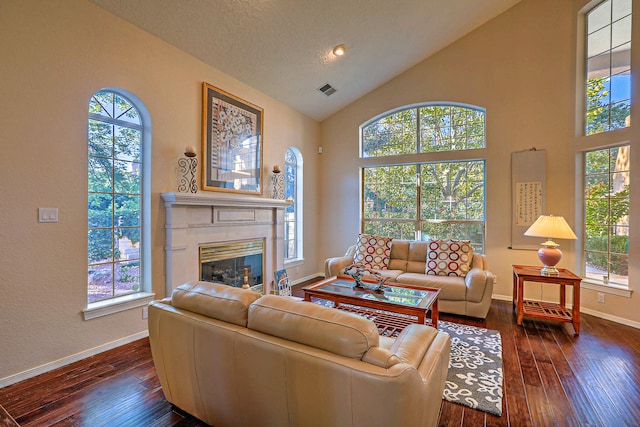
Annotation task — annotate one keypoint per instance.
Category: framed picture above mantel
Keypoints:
(232, 130)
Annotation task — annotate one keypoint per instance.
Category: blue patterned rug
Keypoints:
(475, 367)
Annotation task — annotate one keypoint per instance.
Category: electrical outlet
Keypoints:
(47, 214)
(600, 297)
(145, 312)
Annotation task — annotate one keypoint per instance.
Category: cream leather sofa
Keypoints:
(232, 357)
(469, 295)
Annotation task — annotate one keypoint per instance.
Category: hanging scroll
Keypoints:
(528, 179)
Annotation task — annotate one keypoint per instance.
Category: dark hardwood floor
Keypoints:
(551, 378)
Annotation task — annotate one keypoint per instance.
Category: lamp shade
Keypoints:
(551, 227)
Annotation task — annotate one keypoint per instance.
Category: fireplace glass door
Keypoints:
(237, 264)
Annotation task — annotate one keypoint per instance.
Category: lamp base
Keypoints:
(549, 270)
(549, 255)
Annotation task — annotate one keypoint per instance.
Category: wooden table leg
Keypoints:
(575, 311)
(515, 289)
(520, 300)
(563, 296)
(434, 314)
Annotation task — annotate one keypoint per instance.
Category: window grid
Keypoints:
(425, 200)
(114, 197)
(291, 214)
(606, 213)
(608, 67)
(424, 129)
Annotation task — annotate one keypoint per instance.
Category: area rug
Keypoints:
(475, 367)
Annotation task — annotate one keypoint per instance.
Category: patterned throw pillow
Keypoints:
(449, 257)
(373, 251)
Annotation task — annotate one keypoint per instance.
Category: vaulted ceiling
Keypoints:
(284, 47)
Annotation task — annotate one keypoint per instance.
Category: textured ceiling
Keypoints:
(283, 47)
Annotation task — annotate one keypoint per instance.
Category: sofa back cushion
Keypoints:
(373, 251)
(325, 328)
(449, 257)
(417, 261)
(214, 300)
(399, 255)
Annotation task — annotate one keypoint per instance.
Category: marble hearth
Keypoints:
(195, 220)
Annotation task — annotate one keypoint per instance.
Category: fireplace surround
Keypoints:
(204, 219)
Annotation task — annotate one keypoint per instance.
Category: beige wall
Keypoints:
(55, 55)
(521, 67)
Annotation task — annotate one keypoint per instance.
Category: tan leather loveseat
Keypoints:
(232, 357)
(469, 295)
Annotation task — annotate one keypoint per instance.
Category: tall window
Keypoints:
(115, 197)
(606, 189)
(292, 214)
(608, 66)
(425, 200)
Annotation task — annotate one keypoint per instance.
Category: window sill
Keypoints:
(116, 305)
(593, 285)
(293, 262)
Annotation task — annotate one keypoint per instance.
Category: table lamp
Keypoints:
(551, 227)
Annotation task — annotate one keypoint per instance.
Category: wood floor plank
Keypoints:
(559, 404)
(550, 377)
(579, 401)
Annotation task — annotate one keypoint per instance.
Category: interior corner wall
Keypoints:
(55, 55)
(521, 67)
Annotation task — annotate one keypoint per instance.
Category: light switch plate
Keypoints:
(47, 214)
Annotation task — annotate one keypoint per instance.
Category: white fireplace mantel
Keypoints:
(222, 199)
(198, 219)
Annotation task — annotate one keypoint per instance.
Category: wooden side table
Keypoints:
(545, 310)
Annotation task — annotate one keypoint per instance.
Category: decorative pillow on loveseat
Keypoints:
(449, 257)
(373, 251)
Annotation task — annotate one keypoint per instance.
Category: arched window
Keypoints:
(293, 212)
(118, 196)
(425, 198)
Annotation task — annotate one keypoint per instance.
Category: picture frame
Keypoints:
(232, 130)
(281, 283)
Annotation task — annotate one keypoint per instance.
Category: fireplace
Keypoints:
(236, 263)
(206, 219)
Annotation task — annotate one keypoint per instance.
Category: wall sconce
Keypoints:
(277, 181)
(187, 166)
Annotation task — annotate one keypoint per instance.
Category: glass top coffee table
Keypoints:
(392, 310)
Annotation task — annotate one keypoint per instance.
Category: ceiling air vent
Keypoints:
(327, 89)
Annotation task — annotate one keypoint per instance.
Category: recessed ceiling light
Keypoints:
(339, 50)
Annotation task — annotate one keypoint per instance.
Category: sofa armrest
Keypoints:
(477, 281)
(382, 357)
(413, 343)
(334, 266)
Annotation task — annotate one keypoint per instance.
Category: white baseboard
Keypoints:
(589, 311)
(304, 279)
(30, 373)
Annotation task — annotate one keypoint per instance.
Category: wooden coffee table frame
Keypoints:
(377, 310)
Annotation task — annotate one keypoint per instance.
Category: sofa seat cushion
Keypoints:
(324, 328)
(214, 300)
(451, 287)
